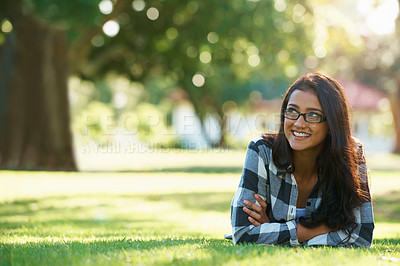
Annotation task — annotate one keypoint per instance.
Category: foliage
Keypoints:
(227, 43)
(232, 47)
(95, 122)
(145, 123)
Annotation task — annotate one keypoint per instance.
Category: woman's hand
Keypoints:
(259, 215)
(304, 233)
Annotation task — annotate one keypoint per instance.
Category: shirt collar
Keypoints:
(278, 172)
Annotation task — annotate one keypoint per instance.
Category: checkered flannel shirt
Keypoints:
(279, 189)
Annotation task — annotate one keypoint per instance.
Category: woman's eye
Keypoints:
(291, 111)
(313, 114)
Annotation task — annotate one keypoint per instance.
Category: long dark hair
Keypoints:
(337, 162)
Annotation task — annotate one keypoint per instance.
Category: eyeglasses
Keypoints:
(310, 117)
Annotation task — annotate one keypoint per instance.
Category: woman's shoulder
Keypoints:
(265, 141)
(358, 146)
(357, 141)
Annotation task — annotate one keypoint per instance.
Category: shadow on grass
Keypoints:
(159, 251)
(191, 169)
(197, 201)
(387, 241)
(201, 201)
(101, 216)
(127, 250)
(387, 208)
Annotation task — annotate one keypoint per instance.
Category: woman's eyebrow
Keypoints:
(308, 109)
(314, 109)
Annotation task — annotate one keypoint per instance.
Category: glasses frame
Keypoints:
(304, 115)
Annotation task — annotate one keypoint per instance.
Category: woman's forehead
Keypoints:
(307, 99)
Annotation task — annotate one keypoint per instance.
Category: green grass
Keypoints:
(159, 218)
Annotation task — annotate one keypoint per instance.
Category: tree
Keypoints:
(383, 71)
(215, 50)
(36, 60)
(371, 57)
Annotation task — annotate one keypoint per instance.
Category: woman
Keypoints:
(307, 184)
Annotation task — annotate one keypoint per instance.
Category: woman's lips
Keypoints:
(300, 135)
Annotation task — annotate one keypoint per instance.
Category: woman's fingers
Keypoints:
(253, 206)
(257, 213)
(254, 222)
(251, 213)
(260, 201)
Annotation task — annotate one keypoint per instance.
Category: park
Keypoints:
(124, 123)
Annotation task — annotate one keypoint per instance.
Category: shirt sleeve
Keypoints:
(363, 233)
(253, 180)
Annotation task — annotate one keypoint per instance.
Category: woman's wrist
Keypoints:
(304, 233)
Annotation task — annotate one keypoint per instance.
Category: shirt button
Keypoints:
(308, 203)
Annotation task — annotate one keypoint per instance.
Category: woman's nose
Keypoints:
(300, 122)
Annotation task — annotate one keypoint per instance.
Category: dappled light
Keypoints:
(380, 19)
(106, 6)
(152, 13)
(97, 41)
(124, 123)
(213, 37)
(111, 28)
(138, 5)
(205, 57)
(6, 26)
(198, 80)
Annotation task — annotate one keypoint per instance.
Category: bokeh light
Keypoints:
(380, 18)
(283, 55)
(291, 71)
(213, 37)
(252, 50)
(178, 18)
(191, 51)
(320, 51)
(97, 41)
(138, 5)
(255, 95)
(6, 26)
(229, 107)
(298, 13)
(205, 57)
(198, 80)
(280, 5)
(311, 62)
(106, 7)
(172, 33)
(152, 13)
(288, 26)
(237, 58)
(253, 60)
(120, 99)
(111, 28)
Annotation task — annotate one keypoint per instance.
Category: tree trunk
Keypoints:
(222, 124)
(34, 122)
(395, 105)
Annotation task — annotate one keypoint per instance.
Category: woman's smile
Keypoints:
(300, 135)
(303, 135)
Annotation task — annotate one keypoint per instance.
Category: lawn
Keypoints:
(166, 216)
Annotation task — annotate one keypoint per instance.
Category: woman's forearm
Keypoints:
(304, 233)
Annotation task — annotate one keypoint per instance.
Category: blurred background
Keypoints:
(128, 120)
(128, 85)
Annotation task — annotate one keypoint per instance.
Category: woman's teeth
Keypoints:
(298, 134)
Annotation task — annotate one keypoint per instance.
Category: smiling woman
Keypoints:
(307, 184)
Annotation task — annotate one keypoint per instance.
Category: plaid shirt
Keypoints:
(279, 189)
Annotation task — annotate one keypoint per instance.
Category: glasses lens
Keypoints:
(291, 114)
(313, 117)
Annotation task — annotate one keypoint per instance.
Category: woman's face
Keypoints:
(302, 135)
